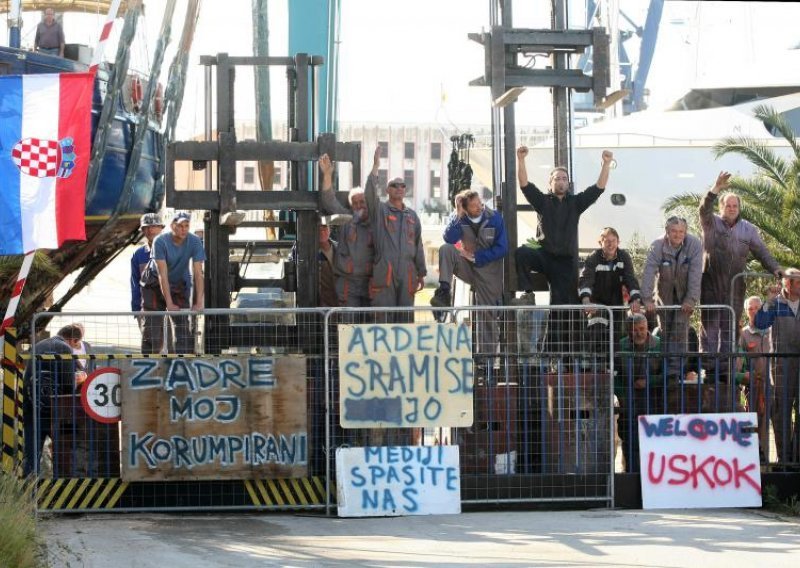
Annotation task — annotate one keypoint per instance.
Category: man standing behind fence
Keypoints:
(758, 342)
(728, 241)
(355, 250)
(146, 296)
(54, 376)
(175, 252)
(479, 261)
(637, 384)
(399, 270)
(781, 312)
(676, 261)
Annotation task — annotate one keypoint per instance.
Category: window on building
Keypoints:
(384, 146)
(276, 179)
(408, 177)
(249, 175)
(408, 151)
(436, 184)
(436, 150)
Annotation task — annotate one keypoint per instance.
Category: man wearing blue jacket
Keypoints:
(478, 262)
(781, 312)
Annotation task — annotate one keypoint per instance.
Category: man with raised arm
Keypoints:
(728, 241)
(355, 250)
(558, 212)
(399, 269)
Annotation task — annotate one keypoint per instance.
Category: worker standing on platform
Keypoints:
(399, 269)
(175, 252)
(355, 251)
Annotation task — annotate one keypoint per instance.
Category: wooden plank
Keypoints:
(214, 418)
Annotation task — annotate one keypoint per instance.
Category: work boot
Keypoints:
(441, 298)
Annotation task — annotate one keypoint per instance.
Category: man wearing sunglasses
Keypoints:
(399, 266)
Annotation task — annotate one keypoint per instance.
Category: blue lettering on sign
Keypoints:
(252, 449)
(196, 375)
(392, 477)
(222, 408)
(739, 431)
(367, 339)
(142, 379)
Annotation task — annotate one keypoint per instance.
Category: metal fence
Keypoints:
(553, 391)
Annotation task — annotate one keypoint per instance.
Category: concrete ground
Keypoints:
(702, 538)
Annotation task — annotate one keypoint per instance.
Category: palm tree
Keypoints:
(770, 198)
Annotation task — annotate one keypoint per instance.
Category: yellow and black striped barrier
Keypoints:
(282, 493)
(71, 494)
(12, 429)
(75, 494)
(112, 356)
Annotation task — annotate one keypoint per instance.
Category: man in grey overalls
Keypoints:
(676, 259)
(728, 241)
(399, 268)
(355, 250)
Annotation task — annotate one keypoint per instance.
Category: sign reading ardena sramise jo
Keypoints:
(399, 375)
(214, 417)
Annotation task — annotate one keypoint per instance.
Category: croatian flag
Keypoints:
(45, 148)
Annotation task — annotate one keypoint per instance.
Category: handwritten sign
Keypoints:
(214, 418)
(399, 375)
(699, 460)
(398, 480)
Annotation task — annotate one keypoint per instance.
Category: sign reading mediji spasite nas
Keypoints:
(397, 480)
(401, 375)
(699, 460)
(215, 417)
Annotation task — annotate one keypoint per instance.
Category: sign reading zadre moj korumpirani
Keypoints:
(402, 375)
(214, 417)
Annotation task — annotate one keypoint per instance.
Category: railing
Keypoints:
(552, 389)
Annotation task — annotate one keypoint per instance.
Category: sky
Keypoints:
(409, 61)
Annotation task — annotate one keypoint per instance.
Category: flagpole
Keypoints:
(22, 277)
(104, 33)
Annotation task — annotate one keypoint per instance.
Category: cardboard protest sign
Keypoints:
(398, 480)
(405, 375)
(699, 460)
(214, 418)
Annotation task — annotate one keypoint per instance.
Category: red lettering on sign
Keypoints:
(679, 469)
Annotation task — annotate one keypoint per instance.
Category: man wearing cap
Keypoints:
(399, 268)
(175, 252)
(147, 298)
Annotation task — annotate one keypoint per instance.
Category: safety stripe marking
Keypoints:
(65, 493)
(81, 489)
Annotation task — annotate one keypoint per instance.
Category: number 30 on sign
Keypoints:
(100, 395)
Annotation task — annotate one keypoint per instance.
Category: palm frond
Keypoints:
(760, 155)
(772, 118)
(685, 200)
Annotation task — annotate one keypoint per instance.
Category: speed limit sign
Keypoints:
(100, 395)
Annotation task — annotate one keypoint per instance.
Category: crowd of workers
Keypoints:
(378, 261)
